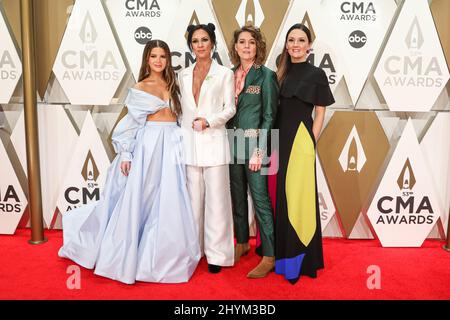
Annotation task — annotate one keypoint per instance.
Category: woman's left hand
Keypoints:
(255, 163)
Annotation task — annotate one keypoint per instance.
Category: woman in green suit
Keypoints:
(256, 94)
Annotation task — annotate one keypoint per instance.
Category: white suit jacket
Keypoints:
(209, 147)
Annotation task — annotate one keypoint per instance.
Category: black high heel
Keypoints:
(212, 268)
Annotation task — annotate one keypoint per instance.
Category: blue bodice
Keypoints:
(139, 104)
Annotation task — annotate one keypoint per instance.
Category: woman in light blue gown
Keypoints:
(142, 228)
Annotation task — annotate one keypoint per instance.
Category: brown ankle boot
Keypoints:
(266, 265)
(241, 249)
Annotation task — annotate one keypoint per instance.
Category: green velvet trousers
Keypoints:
(240, 177)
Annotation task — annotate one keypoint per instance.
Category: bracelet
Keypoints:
(251, 133)
(258, 152)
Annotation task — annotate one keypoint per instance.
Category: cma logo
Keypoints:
(7, 66)
(357, 39)
(413, 69)
(10, 195)
(90, 174)
(406, 180)
(72, 59)
(419, 209)
(142, 35)
(414, 38)
(325, 63)
(88, 33)
(187, 59)
(142, 5)
(352, 157)
(96, 62)
(90, 171)
(323, 206)
(143, 8)
(90, 63)
(250, 13)
(358, 10)
(82, 65)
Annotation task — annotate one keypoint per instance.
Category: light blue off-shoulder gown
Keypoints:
(142, 228)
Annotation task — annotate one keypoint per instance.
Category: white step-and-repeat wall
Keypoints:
(383, 162)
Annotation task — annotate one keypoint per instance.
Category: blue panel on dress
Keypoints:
(289, 267)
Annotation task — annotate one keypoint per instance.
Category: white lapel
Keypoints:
(204, 92)
(187, 84)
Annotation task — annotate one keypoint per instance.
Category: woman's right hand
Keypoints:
(199, 124)
(125, 167)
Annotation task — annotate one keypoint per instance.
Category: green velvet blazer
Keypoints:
(255, 109)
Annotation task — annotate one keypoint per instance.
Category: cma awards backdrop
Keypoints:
(383, 161)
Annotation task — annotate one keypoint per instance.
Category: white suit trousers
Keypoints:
(209, 189)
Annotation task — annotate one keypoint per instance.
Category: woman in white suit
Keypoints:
(207, 101)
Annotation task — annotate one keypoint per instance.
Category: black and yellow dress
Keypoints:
(298, 249)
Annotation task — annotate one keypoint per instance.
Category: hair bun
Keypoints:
(211, 26)
(190, 27)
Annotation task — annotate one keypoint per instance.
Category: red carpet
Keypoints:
(36, 272)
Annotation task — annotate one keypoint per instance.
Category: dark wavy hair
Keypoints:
(260, 44)
(168, 73)
(285, 61)
(209, 28)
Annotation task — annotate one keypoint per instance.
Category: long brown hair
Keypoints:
(260, 45)
(285, 62)
(168, 73)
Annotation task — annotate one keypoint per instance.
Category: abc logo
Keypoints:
(357, 39)
(142, 35)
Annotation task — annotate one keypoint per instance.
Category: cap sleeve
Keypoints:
(313, 89)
